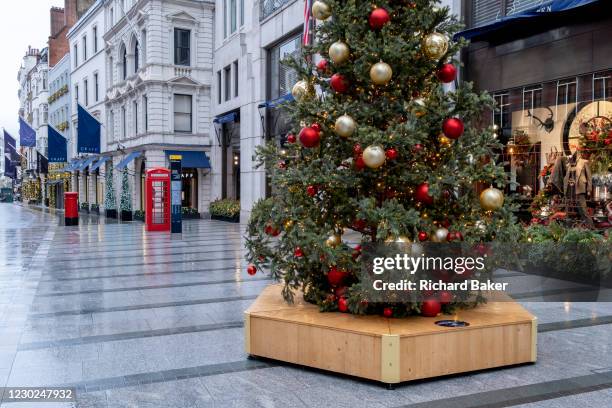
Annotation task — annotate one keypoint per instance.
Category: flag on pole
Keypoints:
(307, 22)
(27, 135)
(11, 157)
(88, 133)
(57, 147)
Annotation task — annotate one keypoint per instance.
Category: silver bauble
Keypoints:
(381, 73)
(440, 235)
(345, 126)
(374, 156)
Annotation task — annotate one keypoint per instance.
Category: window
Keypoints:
(182, 113)
(76, 55)
(111, 125)
(111, 16)
(136, 57)
(233, 15)
(145, 106)
(566, 94)
(486, 11)
(143, 46)
(602, 86)
(501, 113)
(45, 110)
(532, 99)
(84, 48)
(219, 91)
(227, 79)
(123, 122)
(182, 47)
(241, 13)
(124, 63)
(236, 73)
(135, 116)
(95, 39)
(86, 88)
(96, 87)
(111, 71)
(225, 18)
(76, 93)
(282, 77)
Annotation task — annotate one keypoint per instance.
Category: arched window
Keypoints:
(124, 62)
(136, 56)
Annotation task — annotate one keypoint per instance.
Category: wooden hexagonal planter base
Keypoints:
(389, 350)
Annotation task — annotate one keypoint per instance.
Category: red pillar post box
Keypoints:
(157, 200)
(71, 208)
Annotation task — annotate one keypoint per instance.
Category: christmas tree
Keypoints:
(110, 199)
(126, 197)
(384, 152)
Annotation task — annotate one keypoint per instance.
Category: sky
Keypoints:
(22, 23)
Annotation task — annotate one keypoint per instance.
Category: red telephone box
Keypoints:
(157, 200)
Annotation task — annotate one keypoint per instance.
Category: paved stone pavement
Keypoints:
(135, 319)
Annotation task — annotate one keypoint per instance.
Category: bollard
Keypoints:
(71, 206)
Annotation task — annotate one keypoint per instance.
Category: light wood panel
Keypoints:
(389, 350)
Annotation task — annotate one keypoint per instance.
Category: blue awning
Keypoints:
(85, 163)
(191, 159)
(99, 163)
(127, 159)
(228, 118)
(547, 8)
(71, 166)
(275, 102)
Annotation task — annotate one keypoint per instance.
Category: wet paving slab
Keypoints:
(133, 319)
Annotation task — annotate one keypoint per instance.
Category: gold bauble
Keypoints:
(345, 126)
(435, 45)
(288, 224)
(381, 73)
(402, 239)
(374, 156)
(333, 240)
(440, 235)
(444, 141)
(321, 10)
(491, 199)
(338, 52)
(301, 90)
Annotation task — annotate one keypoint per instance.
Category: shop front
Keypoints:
(195, 167)
(553, 114)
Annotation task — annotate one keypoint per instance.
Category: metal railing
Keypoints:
(268, 7)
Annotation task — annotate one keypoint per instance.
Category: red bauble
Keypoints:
(309, 137)
(453, 128)
(359, 224)
(311, 191)
(388, 312)
(445, 297)
(342, 305)
(359, 163)
(322, 65)
(298, 252)
(445, 223)
(291, 138)
(458, 236)
(421, 194)
(608, 142)
(447, 73)
(282, 164)
(251, 270)
(451, 236)
(430, 307)
(417, 147)
(340, 291)
(357, 149)
(356, 251)
(391, 154)
(378, 18)
(423, 236)
(335, 276)
(316, 127)
(339, 83)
